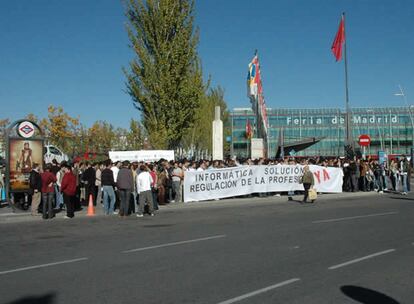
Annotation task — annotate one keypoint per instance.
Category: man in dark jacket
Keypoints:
(89, 179)
(125, 184)
(35, 181)
(108, 184)
(68, 188)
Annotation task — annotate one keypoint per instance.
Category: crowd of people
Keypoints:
(125, 188)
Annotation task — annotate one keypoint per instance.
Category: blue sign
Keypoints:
(382, 157)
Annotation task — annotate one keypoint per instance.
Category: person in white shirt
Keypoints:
(115, 169)
(144, 181)
(202, 167)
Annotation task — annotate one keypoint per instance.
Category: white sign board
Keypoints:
(141, 155)
(228, 182)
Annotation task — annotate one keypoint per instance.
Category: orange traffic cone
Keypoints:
(91, 209)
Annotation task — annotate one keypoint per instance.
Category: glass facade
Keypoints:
(390, 129)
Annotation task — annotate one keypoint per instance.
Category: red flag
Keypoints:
(248, 129)
(339, 40)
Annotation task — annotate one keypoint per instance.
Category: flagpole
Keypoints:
(258, 125)
(348, 131)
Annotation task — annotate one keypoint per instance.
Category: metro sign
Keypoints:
(26, 129)
(364, 140)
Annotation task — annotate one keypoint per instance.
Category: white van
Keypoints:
(52, 152)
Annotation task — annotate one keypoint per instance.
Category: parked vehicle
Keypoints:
(52, 152)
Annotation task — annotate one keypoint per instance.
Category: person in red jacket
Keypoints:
(48, 192)
(68, 188)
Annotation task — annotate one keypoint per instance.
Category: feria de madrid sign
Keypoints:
(335, 120)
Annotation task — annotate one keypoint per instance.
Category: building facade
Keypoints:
(390, 129)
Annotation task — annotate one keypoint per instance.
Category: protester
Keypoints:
(291, 193)
(108, 184)
(134, 195)
(308, 181)
(58, 193)
(144, 181)
(48, 192)
(161, 185)
(98, 183)
(177, 176)
(115, 169)
(154, 189)
(68, 188)
(35, 182)
(89, 178)
(125, 184)
(404, 172)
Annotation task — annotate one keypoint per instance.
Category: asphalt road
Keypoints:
(346, 249)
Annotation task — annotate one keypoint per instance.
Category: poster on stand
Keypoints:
(22, 155)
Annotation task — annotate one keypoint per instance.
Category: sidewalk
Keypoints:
(8, 216)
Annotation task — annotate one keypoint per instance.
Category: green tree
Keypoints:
(200, 137)
(4, 124)
(135, 137)
(165, 79)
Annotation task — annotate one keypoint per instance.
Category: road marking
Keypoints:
(175, 243)
(259, 291)
(42, 265)
(361, 259)
(354, 217)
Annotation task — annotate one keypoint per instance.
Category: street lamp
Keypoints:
(401, 93)
(379, 132)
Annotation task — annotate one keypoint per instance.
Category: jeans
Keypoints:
(124, 197)
(135, 200)
(385, 181)
(404, 183)
(48, 204)
(59, 197)
(108, 199)
(354, 183)
(177, 190)
(145, 197)
(98, 194)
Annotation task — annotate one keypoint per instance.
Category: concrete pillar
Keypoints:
(217, 136)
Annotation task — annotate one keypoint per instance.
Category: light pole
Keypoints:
(401, 93)
(376, 123)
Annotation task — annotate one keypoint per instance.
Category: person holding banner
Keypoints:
(308, 181)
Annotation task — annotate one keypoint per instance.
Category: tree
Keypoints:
(60, 128)
(100, 137)
(135, 137)
(200, 137)
(165, 79)
(4, 123)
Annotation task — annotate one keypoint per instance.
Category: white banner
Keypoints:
(235, 181)
(141, 155)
